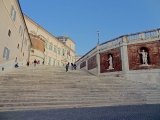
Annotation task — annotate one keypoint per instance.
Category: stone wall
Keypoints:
(83, 64)
(104, 64)
(92, 63)
(135, 59)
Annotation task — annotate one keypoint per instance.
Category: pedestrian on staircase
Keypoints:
(67, 65)
(72, 66)
(35, 62)
(27, 63)
(75, 66)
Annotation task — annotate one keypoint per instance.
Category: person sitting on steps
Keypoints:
(16, 65)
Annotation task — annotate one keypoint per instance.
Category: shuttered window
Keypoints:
(21, 30)
(25, 42)
(13, 14)
(45, 44)
(6, 53)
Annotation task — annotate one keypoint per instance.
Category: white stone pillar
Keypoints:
(86, 64)
(158, 33)
(98, 60)
(141, 35)
(124, 55)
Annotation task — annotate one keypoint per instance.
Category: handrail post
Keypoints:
(98, 60)
(124, 55)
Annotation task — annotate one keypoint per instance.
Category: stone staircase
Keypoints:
(48, 87)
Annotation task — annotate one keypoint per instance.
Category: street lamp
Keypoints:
(98, 37)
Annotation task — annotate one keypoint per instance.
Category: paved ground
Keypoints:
(133, 112)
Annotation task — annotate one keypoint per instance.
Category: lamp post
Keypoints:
(98, 37)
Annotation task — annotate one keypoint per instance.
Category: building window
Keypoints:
(63, 52)
(25, 42)
(13, 14)
(9, 33)
(45, 44)
(59, 52)
(23, 54)
(6, 53)
(21, 30)
(50, 47)
(49, 62)
(18, 46)
(55, 50)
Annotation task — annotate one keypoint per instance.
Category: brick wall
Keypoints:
(83, 64)
(135, 59)
(92, 62)
(104, 64)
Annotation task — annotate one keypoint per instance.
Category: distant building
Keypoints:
(77, 57)
(56, 51)
(14, 38)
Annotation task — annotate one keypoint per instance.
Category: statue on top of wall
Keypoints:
(110, 62)
(144, 57)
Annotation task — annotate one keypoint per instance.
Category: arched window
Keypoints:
(18, 46)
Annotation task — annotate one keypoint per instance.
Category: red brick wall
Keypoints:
(92, 62)
(104, 64)
(134, 57)
(83, 64)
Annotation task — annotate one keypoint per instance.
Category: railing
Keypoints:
(129, 37)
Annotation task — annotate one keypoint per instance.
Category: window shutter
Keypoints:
(4, 52)
(14, 17)
(12, 12)
(8, 51)
(20, 29)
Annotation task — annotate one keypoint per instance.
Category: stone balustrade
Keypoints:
(155, 33)
(123, 56)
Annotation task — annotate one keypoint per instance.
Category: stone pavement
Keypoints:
(132, 112)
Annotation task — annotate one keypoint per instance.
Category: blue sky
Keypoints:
(80, 19)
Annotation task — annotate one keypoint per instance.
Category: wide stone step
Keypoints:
(69, 104)
(43, 107)
(48, 87)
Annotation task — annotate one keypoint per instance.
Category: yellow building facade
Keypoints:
(14, 38)
(56, 51)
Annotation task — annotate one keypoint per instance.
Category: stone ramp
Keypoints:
(46, 87)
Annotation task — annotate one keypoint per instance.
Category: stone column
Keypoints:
(98, 60)
(124, 55)
(86, 64)
(158, 33)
